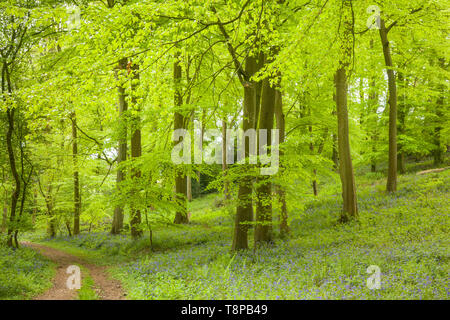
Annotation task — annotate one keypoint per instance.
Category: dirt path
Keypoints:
(105, 287)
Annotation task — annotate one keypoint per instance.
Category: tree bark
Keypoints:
(437, 152)
(5, 212)
(311, 148)
(391, 185)
(136, 150)
(76, 180)
(401, 127)
(260, 65)
(279, 189)
(334, 153)
(12, 162)
(244, 209)
(35, 206)
(350, 208)
(373, 107)
(179, 123)
(334, 142)
(52, 222)
(117, 224)
(263, 225)
(189, 188)
(226, 193)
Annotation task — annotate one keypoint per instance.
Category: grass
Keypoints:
(23, 273)
(87, 292)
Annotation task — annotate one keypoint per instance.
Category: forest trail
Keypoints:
(105, 287)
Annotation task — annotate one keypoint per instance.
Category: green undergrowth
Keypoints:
(87, 292)
(24, 273)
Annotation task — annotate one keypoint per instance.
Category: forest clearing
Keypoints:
(247, 150)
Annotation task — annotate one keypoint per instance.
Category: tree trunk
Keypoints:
(5, 213)
(437, 152)
(260, 65)
(117, 224)
(334, 153)
(52, 222)
(226, 193)
(12, 163)
(373, 107)
(350, 208)
(136, 151)
(391, 185)
(244, 209)
(35, 206)
(311, 148)
(68, 228)
(263, 225)
(179, 123)
(189, 188)
(280, 191)
(76, 181)
(334, 142)
(401, 124)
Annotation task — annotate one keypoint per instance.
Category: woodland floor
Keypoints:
(104, 287)
(405, 234)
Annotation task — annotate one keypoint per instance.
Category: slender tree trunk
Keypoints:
(401, 114)
(188, 177)
(334, 143)
(5, 212)
(68, 228)
(244, 210)
(76, 180)
(226, 193)
(373, 107)
(263, 225)
(189, 188)
(350, 208)
(117, 224)
(136, 151)
(391, 185)
(35, 206)
(179, 123)
(24, 189)
(279, 189)
(52, 222)
(311, 148)
(191, 119)
(334, 153)
(314, 179)
(260, 65)
(12, 163)
(437, 152)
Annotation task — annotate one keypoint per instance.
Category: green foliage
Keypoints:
(87, 291)
(23, 273)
